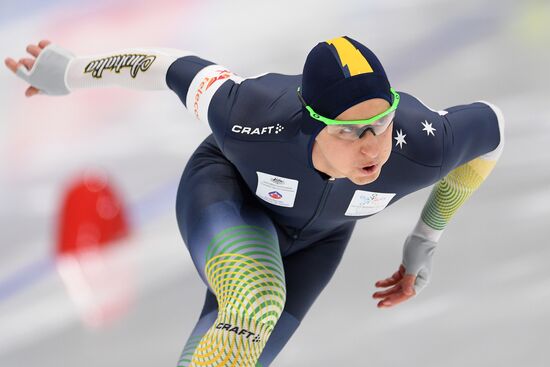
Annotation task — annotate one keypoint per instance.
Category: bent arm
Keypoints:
(470, 130)
(451, 192)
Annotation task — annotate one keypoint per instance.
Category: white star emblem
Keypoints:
(400, 139)
(428, 128)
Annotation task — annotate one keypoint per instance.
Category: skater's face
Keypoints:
(360, 160)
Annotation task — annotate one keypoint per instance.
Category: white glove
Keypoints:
(417, 259)
(49, 71)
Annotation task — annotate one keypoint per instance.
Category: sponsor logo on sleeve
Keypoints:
(206, 83)
(135, 62)
(203, 87)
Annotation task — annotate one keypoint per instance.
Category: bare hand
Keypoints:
(28, 63)
(402, 288)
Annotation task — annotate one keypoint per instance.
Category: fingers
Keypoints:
(31, 91)
(34, 50)
(31, 49)
(387, 292)
(408, 284)
(394, 299)
(11, 64)
(402, 269)
(393, 280)
(400, 292)
(27, 62)
(43, 43)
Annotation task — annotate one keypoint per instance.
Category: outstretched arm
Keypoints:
(447, 196)
(206, 89)
(56, 71)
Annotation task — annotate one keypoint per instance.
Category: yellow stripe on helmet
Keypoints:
(350, 56)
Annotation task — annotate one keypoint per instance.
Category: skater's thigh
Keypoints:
(218, 216)
(309, 270)
(307, 273)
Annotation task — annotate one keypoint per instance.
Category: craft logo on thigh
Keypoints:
(135, 62)
(238, 331)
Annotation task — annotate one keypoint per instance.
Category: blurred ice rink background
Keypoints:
(489, 300)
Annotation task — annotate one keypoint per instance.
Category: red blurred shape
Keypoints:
(93, 254)
(92, 215)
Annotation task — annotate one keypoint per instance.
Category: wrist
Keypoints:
(417, 259)
(426, 232)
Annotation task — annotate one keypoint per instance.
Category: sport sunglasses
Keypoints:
(355, 129)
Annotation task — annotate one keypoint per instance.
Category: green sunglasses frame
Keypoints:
(327, 121)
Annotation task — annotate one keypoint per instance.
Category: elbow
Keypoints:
(495, 153)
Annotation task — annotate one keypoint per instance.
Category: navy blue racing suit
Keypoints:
(256, 169)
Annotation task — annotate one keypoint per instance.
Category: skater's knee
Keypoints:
(251, 299)
(248, 286)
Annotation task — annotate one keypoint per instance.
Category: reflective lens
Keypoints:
(354, 132)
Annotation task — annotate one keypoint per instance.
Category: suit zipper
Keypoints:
(319, 208)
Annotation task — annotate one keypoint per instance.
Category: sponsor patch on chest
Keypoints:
(276, 190)
(368, 203)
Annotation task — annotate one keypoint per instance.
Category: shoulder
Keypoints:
(419, 132)
(265, 108)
